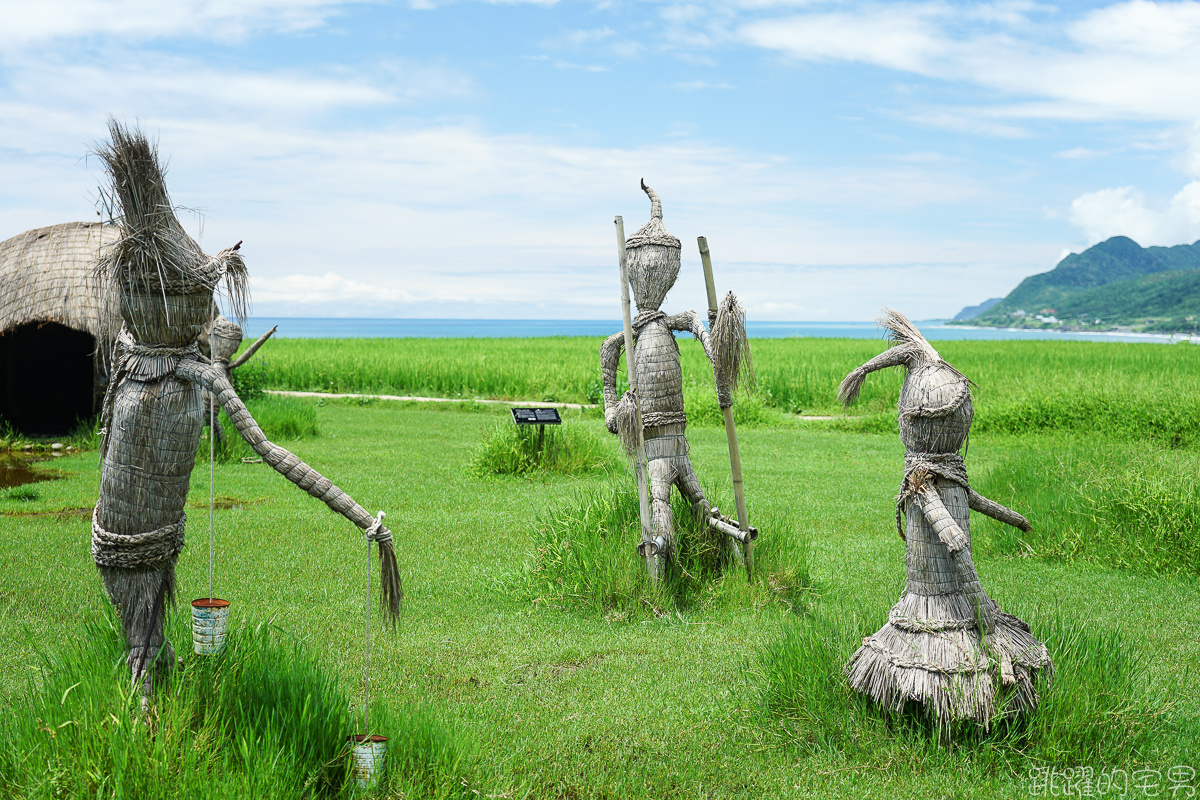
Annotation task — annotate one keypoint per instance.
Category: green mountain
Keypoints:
(1158, 301)
(1114, 283)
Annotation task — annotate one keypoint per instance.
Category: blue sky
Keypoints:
(465, 159)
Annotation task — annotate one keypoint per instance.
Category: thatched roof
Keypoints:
(48, 275)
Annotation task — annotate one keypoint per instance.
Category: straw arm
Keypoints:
(610, 359)
(691, 322)
(935, 511)
(852, 383)
(977, 502)
(212, 377)
(957, 541)
(252, 349)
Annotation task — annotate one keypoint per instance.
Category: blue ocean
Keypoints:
(354, 328)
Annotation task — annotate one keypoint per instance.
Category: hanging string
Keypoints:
(367, 671)
(212, 436)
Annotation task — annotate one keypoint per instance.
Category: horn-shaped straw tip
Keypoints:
(655, 203)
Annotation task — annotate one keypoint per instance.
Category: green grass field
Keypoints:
(723, 690)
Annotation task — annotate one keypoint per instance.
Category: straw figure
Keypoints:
(653, 262)
(218, 343)
(946, 645)
(163, 286)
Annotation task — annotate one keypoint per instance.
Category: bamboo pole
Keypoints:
(648, 547)
(735, 459)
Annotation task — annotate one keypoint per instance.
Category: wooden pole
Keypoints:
(735, 459)
(648, 547)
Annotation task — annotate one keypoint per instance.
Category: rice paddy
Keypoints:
(532, 660)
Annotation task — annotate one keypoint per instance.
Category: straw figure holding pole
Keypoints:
(163, 284)
(652, 259)
(946, 645)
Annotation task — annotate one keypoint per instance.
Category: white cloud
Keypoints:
(1125, 211)
(899, 37)
(1076, 153)
(27, 23)
(180, 87)
(1135, 59)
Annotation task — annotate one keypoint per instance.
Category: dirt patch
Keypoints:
(62, 513)
(226, 503)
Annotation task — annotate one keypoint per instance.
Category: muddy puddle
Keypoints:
(18, 470)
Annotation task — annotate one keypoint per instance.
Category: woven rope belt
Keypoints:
(655, 419)
(136, 549)
(644, 318)
(918, 466)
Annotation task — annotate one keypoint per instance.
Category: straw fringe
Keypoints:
(627, 431)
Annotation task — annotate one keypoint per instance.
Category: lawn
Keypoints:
(562, 699)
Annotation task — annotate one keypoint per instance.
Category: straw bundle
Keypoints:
(155, 267)
(946, 646)
(731, 350)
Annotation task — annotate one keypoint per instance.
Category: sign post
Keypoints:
(537, 416)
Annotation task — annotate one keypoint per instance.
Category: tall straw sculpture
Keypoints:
(652, 258)
(164, 284)
(946, 645)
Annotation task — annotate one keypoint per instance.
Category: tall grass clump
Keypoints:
(261, 719)
(568, 449)
(281, 419)
(585, 554)
(1127, 507)
(1096, 709)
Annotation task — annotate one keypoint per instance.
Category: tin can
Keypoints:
(210, 620)
(367, 753)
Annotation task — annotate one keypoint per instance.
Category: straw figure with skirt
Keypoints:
(651, 262)
(946, 645)
(153, 409)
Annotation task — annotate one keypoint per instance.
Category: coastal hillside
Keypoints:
(1114, 284)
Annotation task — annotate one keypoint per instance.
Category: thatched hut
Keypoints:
(52, 371)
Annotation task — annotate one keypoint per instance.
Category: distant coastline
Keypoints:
(370, 328)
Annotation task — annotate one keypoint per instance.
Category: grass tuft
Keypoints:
(261, 719)
(1098, 708)
(585, 554)
(1130, 508)
(568, 449)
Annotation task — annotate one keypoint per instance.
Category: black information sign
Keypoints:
(536, 416)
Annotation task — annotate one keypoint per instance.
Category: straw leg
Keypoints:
(662, 518)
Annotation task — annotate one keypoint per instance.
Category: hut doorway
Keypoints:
(47, 378)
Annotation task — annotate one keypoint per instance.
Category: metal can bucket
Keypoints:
(210, 619)
(367, 753)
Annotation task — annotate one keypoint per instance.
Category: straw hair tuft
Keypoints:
(154, 256)
(910, 349)
(904, 333)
